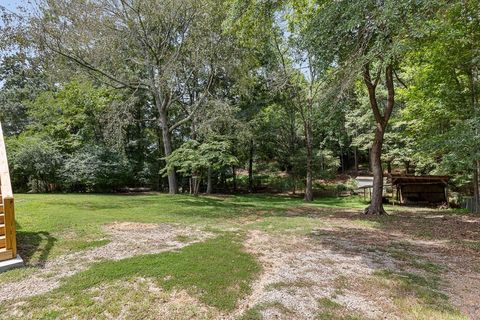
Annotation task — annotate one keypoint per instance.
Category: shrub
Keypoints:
(95, 168)
(34, 161)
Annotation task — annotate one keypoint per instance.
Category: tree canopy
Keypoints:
(240, 95)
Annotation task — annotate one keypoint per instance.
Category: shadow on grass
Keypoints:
(400, 268)
(35, 247)
(430, 225)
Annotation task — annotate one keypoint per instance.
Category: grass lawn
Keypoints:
(61, 223)
(238, 257)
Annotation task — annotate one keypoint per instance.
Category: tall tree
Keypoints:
(366, 39)
(289, 66)
(154, 46)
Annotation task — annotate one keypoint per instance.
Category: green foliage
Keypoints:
(21, 80)
(35, 161)
(71, 116)
(441, 108)
(95, 168)
(194, 157)
(273, 82)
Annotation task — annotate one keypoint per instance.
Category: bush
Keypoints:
(95, 168)
(35, 162)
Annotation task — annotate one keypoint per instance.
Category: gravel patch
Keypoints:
(127, 239)
(298, 272)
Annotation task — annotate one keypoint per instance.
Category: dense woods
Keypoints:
(239, 95)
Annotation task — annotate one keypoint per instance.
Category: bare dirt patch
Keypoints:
(127, 239)
(340, 262)
(298, 273)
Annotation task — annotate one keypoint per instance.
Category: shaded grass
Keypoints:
(402, 251)
(470, 244)
(417, 296)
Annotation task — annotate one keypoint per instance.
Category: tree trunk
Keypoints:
(250, 169)
(161, 103)
(309, 178)
(389, 166)
(476, 187)
(196, 184)
(476, 111)
(376, 204)
(234, 178)
(209, 180)
(355, 157)
(370, 159)
(167, 147)
(167, 142)
(342, 160)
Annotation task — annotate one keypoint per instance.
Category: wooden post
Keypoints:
(446, 196)
(10, 228)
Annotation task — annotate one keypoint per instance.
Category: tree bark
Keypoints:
(209, 180)
(342, 159)
(376, 204)
(309, 178)
(167, 147)
(234, 178)
(250, 169)
(476, 167)
(407, 167)
(162, 106)
(476, 187)
(196, 183)
(355, 156)
(370, 159)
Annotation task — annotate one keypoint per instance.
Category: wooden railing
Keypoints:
(8, 241)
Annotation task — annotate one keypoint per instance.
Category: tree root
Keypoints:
(375, 211)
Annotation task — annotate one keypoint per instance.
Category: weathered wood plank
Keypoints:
(6, 254)
(10, 225)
